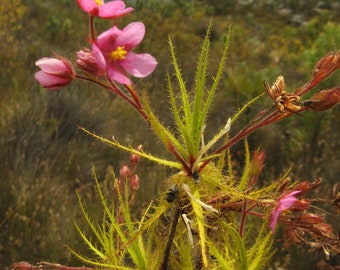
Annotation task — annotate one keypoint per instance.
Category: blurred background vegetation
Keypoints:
(44, 158)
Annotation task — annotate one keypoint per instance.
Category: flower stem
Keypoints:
(137, 106)
(250, 128)
(92, 29)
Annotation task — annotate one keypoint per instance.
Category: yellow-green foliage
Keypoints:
(11, 13)
(123, 242)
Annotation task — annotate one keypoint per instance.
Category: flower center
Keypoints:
(118, 54)
(99, 2)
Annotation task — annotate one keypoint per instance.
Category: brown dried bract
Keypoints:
(285, 102)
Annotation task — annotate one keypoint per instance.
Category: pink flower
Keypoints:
(112, 9)
(113, 53)
(55, 72)
(284, 203)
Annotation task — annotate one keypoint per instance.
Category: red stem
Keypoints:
(133, 93)
(115, 89)
(243, 218)
(134, 103)
(92, 29)
(271, 118)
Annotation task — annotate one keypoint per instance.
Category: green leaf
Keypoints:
(134, 151)
(184, 94)
(180, 123)
(200, 78)
(246, 169)
(217, 77)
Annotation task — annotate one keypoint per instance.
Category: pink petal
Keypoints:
(50, 81)
(139, 65)
(118, 75)
(287, 201)
(284, 203)
(100, 59)
(294, 192)
(51, 65)
(273, 219)
(106, 41)
(113, 9)
(87, 5)
(131, 35)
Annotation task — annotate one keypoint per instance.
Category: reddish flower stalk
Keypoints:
(272, 117)
(46, 266)
(136, 105)
(325, 67)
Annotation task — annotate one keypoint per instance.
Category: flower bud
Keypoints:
(324, 229)
(293, 236)
(55, 73)
(300, 205)
(124, 172)
(306, 186)
(134, 182)
(323, 100)
(257, 162)
(134, 158)
(310, 218)
(326, 65)
(22, 266)
(86, 62)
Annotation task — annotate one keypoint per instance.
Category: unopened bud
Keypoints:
(300, 205)
(324, 229)
(257, 162)
(323, 100)
(55, 73)
(22, 266)
(311, 218)
(124, 172)
(86, 62)
(134, 158)
(134, 182)
(293, 236)
(306, 186)
(326, 65)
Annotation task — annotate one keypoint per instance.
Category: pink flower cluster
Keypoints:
(111, 56)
